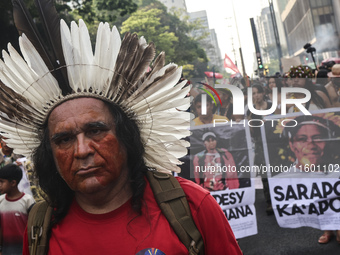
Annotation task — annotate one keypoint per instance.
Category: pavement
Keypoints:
(274, 240)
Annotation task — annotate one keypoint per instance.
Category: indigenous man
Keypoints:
(96, 128)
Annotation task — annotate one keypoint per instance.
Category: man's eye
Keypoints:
(63, 140)
(94, 132)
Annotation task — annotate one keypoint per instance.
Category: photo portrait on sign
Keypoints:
(299, 144)
(217, 156)
(221, 160)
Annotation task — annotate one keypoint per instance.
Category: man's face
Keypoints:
(210, 144)
(271, 83)
(298, 82)
(308, 145)
(86, 150)
(224, 96)
(5, 186)
(5, 149)
(257, 96)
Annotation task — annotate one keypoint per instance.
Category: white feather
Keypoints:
(86, 53)
(41, 70)
(155, 102)
(67, 46)
(76, 54)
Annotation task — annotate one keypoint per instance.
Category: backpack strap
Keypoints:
(174, 205)
(37, 228)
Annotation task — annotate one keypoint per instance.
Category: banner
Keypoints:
(228, 63)
(307, 202)
(220, 161)
(303, 160)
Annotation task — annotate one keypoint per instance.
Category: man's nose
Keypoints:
(83, 147)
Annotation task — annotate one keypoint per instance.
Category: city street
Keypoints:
(273, 240)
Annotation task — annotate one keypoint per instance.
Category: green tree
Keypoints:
(166, 30)
(110, 10)
(147, 23)
(152, 21)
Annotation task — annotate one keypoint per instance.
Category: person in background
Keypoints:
(6, 153)
(274, 82)
(14, 209)
(286, 80)
(209, 116)
(301, 77)
(8, 157)
(226, 109)
(333, 86)
(322, 75)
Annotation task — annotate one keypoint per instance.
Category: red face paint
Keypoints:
(87, 152)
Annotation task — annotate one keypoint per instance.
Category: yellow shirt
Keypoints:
(198, 122)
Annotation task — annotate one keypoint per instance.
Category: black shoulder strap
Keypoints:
(174, 205)
(37, 228)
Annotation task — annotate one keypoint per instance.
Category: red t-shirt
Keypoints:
(124, 232)
(13, 220)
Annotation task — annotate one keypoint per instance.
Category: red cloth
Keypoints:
(211, 75)
(123, 232)
(213, 180)
(228, 63)
(13, 220)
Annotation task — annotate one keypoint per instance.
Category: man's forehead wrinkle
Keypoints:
(80, 127)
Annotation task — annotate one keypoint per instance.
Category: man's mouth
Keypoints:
(87, 170)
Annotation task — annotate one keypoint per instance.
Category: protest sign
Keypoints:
(221, 160)
(302, 159)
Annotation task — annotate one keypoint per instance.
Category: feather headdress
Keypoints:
(32, 86)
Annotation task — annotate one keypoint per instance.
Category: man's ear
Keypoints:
(13, 183)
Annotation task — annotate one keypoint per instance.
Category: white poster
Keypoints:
(220, 161)
(303, 158)
(310, 202)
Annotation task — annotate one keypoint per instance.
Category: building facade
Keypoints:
(209, 43)
(311, 21)
(175, 5)
(265, 33)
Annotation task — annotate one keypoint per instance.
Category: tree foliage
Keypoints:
(170, 34)
(91, 11)
(147, 23)
(166, 30)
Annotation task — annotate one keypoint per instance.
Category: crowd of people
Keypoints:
(323, 95)
(324, 87)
